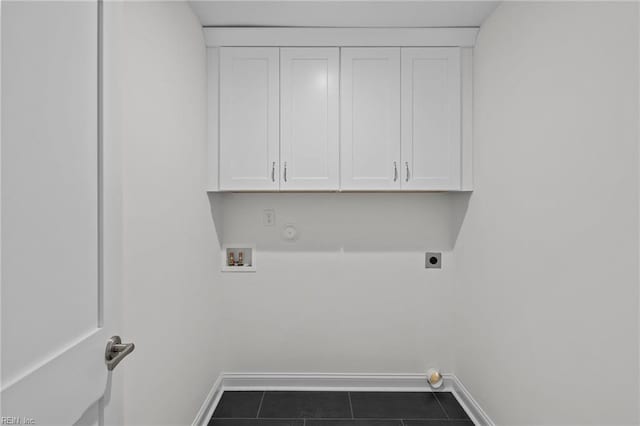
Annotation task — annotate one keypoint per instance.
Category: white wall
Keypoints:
(170, 244)
(351, 294)
(321, 13)
(547, 256)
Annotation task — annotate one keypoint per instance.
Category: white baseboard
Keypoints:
(470, 405)
(210, 403)
(326, 382)
(337, 382)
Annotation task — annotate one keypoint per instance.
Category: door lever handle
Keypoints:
(116, 351)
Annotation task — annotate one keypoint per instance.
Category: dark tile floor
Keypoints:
(339, 409)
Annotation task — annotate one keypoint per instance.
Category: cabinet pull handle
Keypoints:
(285, 171)
(273, 172)
(395, 171)
(406, 163)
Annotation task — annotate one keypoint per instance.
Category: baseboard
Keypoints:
(210, 403)
(326, 382)
(337, 382)
(471, 406)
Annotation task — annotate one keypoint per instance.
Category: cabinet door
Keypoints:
(309, 146)
(431, 118)
(249, 123)
(370, 121)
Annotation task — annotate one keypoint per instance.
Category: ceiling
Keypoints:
(351, 13)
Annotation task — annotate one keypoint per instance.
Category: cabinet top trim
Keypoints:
(342, 37)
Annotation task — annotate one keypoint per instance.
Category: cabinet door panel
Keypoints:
(370, 121)
(249, 115)
(430, 118)
(309, 149)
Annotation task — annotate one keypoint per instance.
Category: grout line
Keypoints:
(304, 419)
(332, 418)
(260, 406)
(440, 404)
(350, 405)
(262, 418)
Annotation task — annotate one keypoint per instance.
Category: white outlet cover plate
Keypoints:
(269, 217)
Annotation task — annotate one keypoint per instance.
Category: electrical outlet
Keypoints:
(433, 261)
(269, 217)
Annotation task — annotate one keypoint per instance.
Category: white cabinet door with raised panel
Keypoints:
(370, 122)
(431, 118)
(309, 148)
(249, 118)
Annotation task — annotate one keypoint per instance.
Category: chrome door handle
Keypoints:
(395, 171)
(273, 172)
(406, 163)
(116, 351)
(285, 171)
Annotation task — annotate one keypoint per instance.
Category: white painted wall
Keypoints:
(321, 13)
(351, 294)
(555, 113)
(547, 257)
(170, 244)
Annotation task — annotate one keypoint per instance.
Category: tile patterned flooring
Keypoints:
(285, 408)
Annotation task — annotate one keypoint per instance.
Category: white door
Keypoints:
(56, 294)
(249, 124)
(431, 118)
(370, 119)
(309, 148)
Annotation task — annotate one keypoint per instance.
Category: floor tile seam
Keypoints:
(260, 405)
(259, 418)
(441, 406)
(340, 418)
(401, 420)
(313, 418)
(350, 405)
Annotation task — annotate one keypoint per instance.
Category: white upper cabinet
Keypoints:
(431, 119)
(249, 114)
(340, 118)
(370, 119)
(309, 116)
